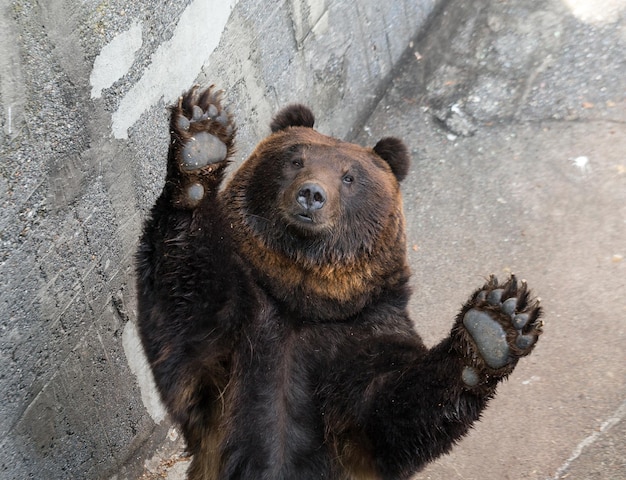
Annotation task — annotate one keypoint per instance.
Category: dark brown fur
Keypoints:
(274, 312)
(336, 278)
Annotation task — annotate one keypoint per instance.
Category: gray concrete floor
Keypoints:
(515, 113)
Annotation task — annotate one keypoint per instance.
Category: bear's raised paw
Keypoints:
(204, 129)
(498, 325)
(202, 140)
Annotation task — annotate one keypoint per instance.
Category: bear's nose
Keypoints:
(311, 196)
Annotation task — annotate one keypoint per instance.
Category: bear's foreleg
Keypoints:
(399, 406)
(191, 286)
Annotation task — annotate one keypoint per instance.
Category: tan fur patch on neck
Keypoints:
(329, 281)
(349, 283)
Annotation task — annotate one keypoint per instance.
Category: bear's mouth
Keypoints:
(303, 217)
(304, 223)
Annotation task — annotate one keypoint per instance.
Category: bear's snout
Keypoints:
(311, 196)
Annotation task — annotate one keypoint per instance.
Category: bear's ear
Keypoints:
(394, 152)
(292, 116)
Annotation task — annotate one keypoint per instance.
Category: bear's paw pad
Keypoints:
(489, 336)
(202, 149)
(503, 323)
(195, 192)
(470, 376)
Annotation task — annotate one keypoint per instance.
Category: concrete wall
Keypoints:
(83, 90)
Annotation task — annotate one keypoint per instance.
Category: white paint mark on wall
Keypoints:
(176, 63)
(305, 15)
(596, 11)
(115, 59)
(139, 366)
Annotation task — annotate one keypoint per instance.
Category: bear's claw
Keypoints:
(502, 325)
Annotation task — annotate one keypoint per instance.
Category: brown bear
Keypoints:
(273, 311)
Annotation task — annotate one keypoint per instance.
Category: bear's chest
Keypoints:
(279, 423)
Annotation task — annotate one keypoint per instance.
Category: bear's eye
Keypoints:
(296, 162)
(348, 179)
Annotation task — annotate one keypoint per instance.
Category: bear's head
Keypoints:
(319, 219)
